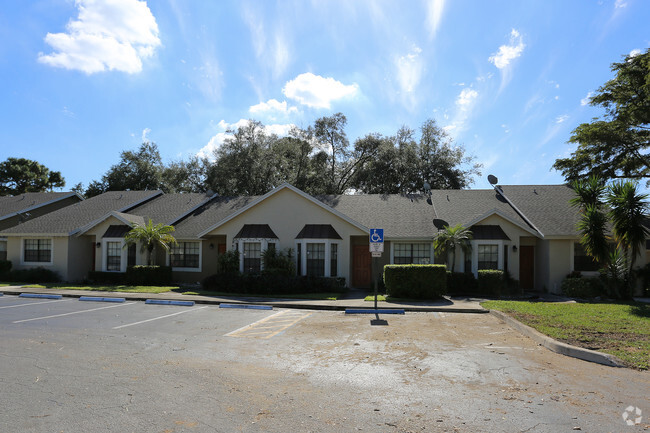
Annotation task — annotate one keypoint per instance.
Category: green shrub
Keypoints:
(415, 281)
(98, 277)
(461, 283)
(279, 262)
(228, 262)
(143, 275)
(32, 275)
(5, 266)
(582, 287)
(491, 282)
(271, 282)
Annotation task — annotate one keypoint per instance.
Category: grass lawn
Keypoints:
(177, 289)
(98, 288)
(621, 329)
(326, 296)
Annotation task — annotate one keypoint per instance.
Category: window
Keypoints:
(315, 260)
(38, 250)
(185, 255)
(581, 261)
(113, 256)
(406, 254)
(488, 257)
(334, 260)
(252, 256)
(3, 250)
(505, 258)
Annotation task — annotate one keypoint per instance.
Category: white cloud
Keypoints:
(585, 101)
(635, 52)
(620, 4)
(409, 70)
(271, 107)
(227, 129)
(465, 104)
(145, 134)
(466, 99)
(316, 91)
(435, 9)
(507, 53)
(273, 51)
(107, 35)
(561, 119)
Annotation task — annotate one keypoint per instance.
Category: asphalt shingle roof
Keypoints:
(401, 216)
(209, 214)
(167, 208)
(10, 204)
(70, 219)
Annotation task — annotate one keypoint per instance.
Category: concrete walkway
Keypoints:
(353, 300)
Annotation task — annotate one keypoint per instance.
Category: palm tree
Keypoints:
(451, 237)
(627, 213)
(150, 236)
(593, 220)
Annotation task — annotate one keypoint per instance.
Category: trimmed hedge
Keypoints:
(271, 282)
(415, 281)
(578, 287)
(461, 283)
(139, 275)
(5, 266)
(142, 275)
(491, 282)
(33, 276)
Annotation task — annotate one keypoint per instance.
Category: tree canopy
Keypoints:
(318, 159)
(20, 175)
(616, 145)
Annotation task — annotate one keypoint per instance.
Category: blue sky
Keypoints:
(83, 80)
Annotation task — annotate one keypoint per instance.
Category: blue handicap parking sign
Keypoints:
(376, 235)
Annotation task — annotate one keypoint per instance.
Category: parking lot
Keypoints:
(75, 366)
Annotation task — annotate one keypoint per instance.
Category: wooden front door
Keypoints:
(361, 266)
(527, 267)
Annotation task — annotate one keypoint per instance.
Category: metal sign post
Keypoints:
(376, 248)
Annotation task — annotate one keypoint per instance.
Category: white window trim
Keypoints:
(328, 255)
(432, 256)
(263, 247)
(476, 243)
(123, 258)
(22, 252)
(572, 252)
(168, 257)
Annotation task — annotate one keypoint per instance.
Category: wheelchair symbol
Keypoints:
(377, 235)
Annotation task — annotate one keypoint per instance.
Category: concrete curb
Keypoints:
(340, 305)
(558, 346)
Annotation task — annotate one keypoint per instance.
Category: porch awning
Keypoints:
(256, 231)
(117, 231)
(492, 232)
(318, 231)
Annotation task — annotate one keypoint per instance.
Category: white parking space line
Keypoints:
(161, 317)
(35, 303)
(270, 326)
(71, 313)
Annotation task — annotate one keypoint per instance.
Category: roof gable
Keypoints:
(71, 219)
(19, 204)
(270, 194)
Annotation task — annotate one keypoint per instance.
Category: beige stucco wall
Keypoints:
(59, 255)
(517, 236)
(286, 212)
(80, 257)
(553, 262)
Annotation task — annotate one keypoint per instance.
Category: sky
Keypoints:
(83, 80)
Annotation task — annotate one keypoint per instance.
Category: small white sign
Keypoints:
(374, 254)
(376, 247)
